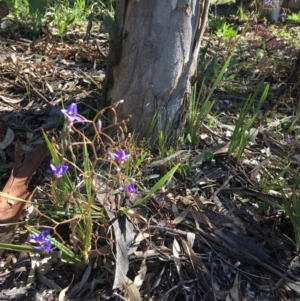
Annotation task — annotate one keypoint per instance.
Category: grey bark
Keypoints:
(272, 12)
(293, 5)
(152, 59)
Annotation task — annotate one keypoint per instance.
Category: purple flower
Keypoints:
(130, 189)
(45, 247)
(288, 139)
(59, 171)
(71, 114)
(42, 241)
(40, 238)
(268, 2)
(120, 156)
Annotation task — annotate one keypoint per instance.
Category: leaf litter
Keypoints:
(217, 244)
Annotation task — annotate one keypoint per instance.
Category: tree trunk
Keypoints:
(293, 5)
(153, 56)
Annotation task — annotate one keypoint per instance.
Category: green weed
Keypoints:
(163, 138)
(226, 31)
(243, 14)
(292, 209)
(200, 101)
(294, 17)
(243, 132)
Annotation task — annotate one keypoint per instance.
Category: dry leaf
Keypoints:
(140, 277)
(17, 186)
(182, 215)
(234, 293)
(14, 59)
(62, 294)
(176, 251)
(294, 286)
(193, 257)
(14, 100)
(132, 291)
(190, 236)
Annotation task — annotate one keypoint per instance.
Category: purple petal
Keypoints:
(65, 168)
(130, 189)
(33, 236)
(45, 247)
(40, 237)
(115, 156)
(78, 118)
(122, 155)
(71, 114)
(44, 234)
(41, 248)
(64, 111)
(71, 118)
(72, 109)
(59, 170)
(53, 168)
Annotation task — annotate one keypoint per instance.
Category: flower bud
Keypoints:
(99, 125)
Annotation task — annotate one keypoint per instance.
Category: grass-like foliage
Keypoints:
(201, 104)
(292, 209)
(243, 130)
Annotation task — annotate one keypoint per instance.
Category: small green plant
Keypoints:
(294, 17)
(200, 103)
(63, 15)
(64, 22)
(211, 121)
(27, 15)
(243, 130)
(198, 111)
(209, 156)
(226, 31)
(291, 207)
(273, 180)
(243, 14)
(162, 139)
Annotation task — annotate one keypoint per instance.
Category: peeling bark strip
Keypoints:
(17, 186)
(152, 59)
